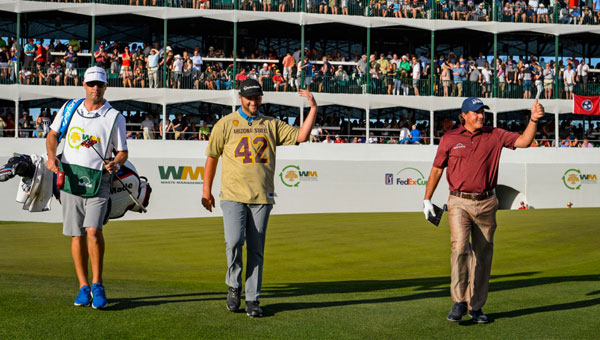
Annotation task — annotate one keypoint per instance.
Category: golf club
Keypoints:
(89, 144)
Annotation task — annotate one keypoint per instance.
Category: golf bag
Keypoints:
(119, 201)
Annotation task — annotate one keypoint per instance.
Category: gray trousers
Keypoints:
(245, 223)
(153, 78)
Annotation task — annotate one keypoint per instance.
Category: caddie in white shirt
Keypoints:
(84, 196)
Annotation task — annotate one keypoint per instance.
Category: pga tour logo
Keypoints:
(389, 179)
(587, 105)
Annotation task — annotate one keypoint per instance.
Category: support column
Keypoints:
(164, 122)
(235, 28)
(495, 114)
(556, 136)
(302, 74)
(432, 67)
(367, 125)
(164, 77)
(556, 84)
(301, 107)
(495, 75)
(20, 48)
(431, 126)
(368, 74)
(16, 119)
(93, 41)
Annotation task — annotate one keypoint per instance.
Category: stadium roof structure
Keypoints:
(299, 18)
(229, 97)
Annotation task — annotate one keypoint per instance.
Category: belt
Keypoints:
(479, 196)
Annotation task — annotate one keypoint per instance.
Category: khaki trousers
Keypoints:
(471, 262)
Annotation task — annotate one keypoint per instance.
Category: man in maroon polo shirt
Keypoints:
(472, 153)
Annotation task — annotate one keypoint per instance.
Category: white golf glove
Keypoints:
(428, 209)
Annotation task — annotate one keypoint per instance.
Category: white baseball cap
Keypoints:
(94, 73)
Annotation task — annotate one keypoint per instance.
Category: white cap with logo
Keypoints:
(94, 73)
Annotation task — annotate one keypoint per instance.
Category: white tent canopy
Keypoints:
(229, 98)
(89, 9)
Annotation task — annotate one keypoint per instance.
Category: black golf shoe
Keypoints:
(458, 311)
(253, 310)
(233, 299)
(478, 316)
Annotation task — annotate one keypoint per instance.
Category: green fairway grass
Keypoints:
(327, 276)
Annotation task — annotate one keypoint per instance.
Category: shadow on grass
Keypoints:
(431, 284)
(542, 309)
(427, 288)
(145, 301)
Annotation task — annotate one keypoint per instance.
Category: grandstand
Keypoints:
(347, 50)
(231, 36)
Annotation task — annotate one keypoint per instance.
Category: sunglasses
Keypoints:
(95, 83)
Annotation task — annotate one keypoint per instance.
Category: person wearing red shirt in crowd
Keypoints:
(339, 140)
(40, 53)
(101, 57)
(522, 206)
(126, 67)
(472, 154)
(240, 77)
(278, 81)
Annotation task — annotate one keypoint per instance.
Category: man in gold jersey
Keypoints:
(246, 140)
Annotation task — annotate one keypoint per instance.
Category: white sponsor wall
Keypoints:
(318, 178)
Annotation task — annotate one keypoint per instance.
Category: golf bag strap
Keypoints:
(70, 109)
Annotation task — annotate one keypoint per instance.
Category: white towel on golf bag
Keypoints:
(36, 193)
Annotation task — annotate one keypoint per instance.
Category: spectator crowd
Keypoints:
(143, 65)
(328, 129)
(586, 12)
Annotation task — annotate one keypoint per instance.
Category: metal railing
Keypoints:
(430, 9)
(355, 135)
(341, 82)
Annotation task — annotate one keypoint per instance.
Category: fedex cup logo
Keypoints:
(587, 105)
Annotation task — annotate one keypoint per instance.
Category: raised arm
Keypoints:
(309, 121)
(525, 139)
